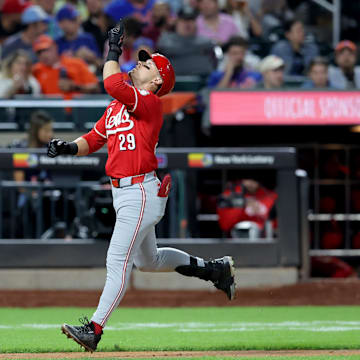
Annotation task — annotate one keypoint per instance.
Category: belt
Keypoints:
(131, 180)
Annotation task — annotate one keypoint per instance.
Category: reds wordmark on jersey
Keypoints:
(130, 126)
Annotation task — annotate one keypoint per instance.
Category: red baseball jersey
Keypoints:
(130, 126)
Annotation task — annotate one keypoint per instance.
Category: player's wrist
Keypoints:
(114, 53)
(71, 148)
(113, 56)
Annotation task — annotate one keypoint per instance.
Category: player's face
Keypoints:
(144, 72)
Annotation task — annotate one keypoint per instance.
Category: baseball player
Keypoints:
(130, 127)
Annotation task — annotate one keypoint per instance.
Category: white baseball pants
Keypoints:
(138, 209)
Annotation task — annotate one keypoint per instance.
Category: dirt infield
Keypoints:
(325, 292)
(185, 354)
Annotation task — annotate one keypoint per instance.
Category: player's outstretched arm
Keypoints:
(58, 147)
(116, 36)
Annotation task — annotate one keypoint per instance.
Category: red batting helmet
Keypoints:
(165, 69)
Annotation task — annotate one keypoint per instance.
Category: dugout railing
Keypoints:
(288, 248)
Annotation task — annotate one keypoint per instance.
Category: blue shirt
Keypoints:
(83, 39)
(244, 79)
(117, 9)
(295, 63)
(129, 65)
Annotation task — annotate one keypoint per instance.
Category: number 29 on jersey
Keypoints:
(127, 142)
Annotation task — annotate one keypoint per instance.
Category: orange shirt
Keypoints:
(76, 70)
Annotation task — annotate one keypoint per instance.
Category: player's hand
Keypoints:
(57, 147)
(116, 36)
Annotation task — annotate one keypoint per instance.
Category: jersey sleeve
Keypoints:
(120, 90)
(96, 138)
(141, 103)
(147, 105)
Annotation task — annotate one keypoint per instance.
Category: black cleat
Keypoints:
(83, 335)
(223, 275)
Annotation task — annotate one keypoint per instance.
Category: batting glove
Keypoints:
(58, 147)
(116, 37)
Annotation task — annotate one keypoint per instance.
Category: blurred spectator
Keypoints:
(272, 70)
(79, 5)
(175, 5)
(141, 43)
(74, 42)
(332, 237)
(139, 9)
(274, 14)
(346, 75)
(16, 76)
(333, 167)
(39, 134)
(48, 6)
(61, 75)
(245, 20)
(10, 17)
(34, 19)
(98, 24)
(214, 25)
(161, 20)
(296, 53)
(244, 208)
(235, 75)
(329, 266)
(317, 74)
(190, 54)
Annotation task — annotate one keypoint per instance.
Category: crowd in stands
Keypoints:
(57, 47)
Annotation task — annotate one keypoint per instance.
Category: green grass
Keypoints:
(228, 328)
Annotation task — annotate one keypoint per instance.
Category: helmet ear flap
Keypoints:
(166, 72)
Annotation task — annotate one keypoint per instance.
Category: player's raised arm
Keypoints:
(114, 83)
(116, 36)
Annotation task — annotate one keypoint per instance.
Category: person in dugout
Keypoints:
(244, 209)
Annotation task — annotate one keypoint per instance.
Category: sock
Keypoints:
(97, 328)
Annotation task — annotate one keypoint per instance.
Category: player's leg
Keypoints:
(153, 259)
(133, 221)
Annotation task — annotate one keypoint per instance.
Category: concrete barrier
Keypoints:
(94, 279)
